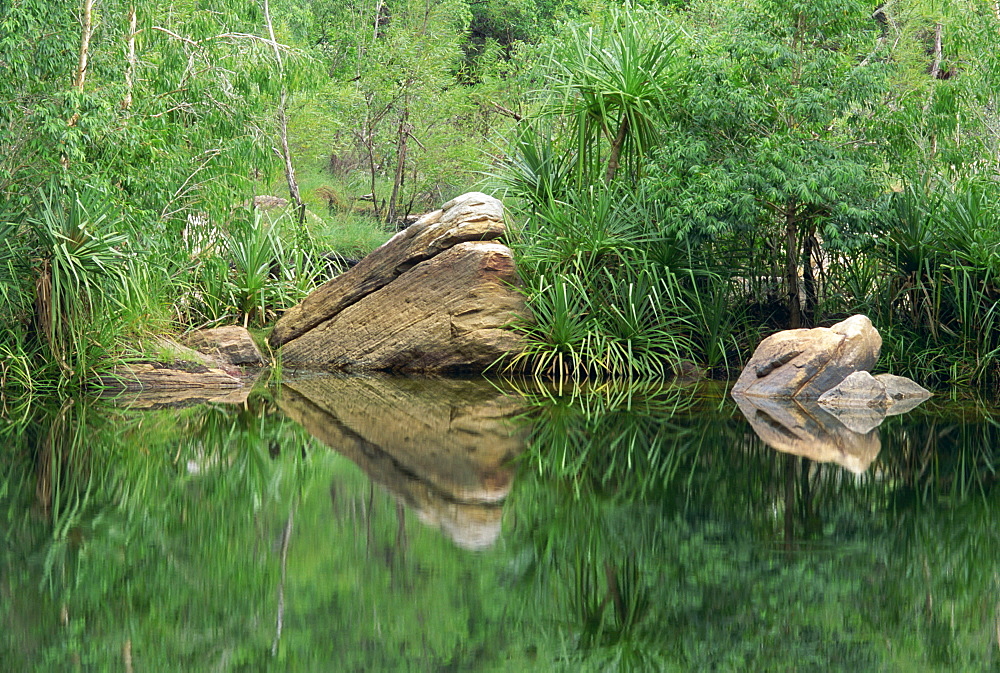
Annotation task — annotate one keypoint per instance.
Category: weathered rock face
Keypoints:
(162, 376)
(805, 363)
(436, 297)
(230, 345)
(182, 371)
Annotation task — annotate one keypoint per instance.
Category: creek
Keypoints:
(327, 523)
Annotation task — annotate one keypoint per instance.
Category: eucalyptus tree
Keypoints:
(400, 105)
(944, 106)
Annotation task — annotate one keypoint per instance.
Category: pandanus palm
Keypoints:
(616, 83)
(76, 257)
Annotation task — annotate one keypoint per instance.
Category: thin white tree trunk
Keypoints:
(86, 29)
(130, 55)
(286, 155)
(85, 33)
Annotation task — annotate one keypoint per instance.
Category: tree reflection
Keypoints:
(643, 528)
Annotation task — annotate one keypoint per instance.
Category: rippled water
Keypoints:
(370, 524)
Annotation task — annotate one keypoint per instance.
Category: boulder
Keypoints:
(900, 388)
(437, 297)
(231, 345)
(805, 363)
(267, 202)
(895, 394)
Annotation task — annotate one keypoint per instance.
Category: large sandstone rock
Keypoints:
(437, 296)
(805, 363)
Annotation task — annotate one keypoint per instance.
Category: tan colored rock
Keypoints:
(442, 447)
(803, 428)
(859, 389)
(470, 217)
(805, 363)
(175, 376)
(437, 297)
(267, 202)
(884, 391)
(182, 397)
(899, 388)
(447, 314)
(230, 345)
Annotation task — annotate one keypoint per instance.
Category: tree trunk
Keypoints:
(616, 150)
(397, 182)
(792, 267)
(85, 33)
(369, 142)
(286, 155)
(808, 279)
(293, 185)
(86, 30)
(130, 55)
(377, 20)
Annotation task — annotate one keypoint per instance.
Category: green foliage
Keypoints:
(647, 529)
(169, 123)
(942, 256)
(761, 178)
(64, 270)
(613, 83)
(694, 173)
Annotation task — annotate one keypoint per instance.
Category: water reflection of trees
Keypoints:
(646, 529)
(154, 528)
(737, 556)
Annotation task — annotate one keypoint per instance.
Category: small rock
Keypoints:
(861, 389)
(230, 345)
(902, 388)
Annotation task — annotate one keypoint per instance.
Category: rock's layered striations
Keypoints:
(805, 363)
(437, 297)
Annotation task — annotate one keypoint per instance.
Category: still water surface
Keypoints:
(374, 524)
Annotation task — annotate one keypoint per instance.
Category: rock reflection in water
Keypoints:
(443, 447)
(807, 429)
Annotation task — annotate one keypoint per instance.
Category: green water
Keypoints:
(366, 524)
